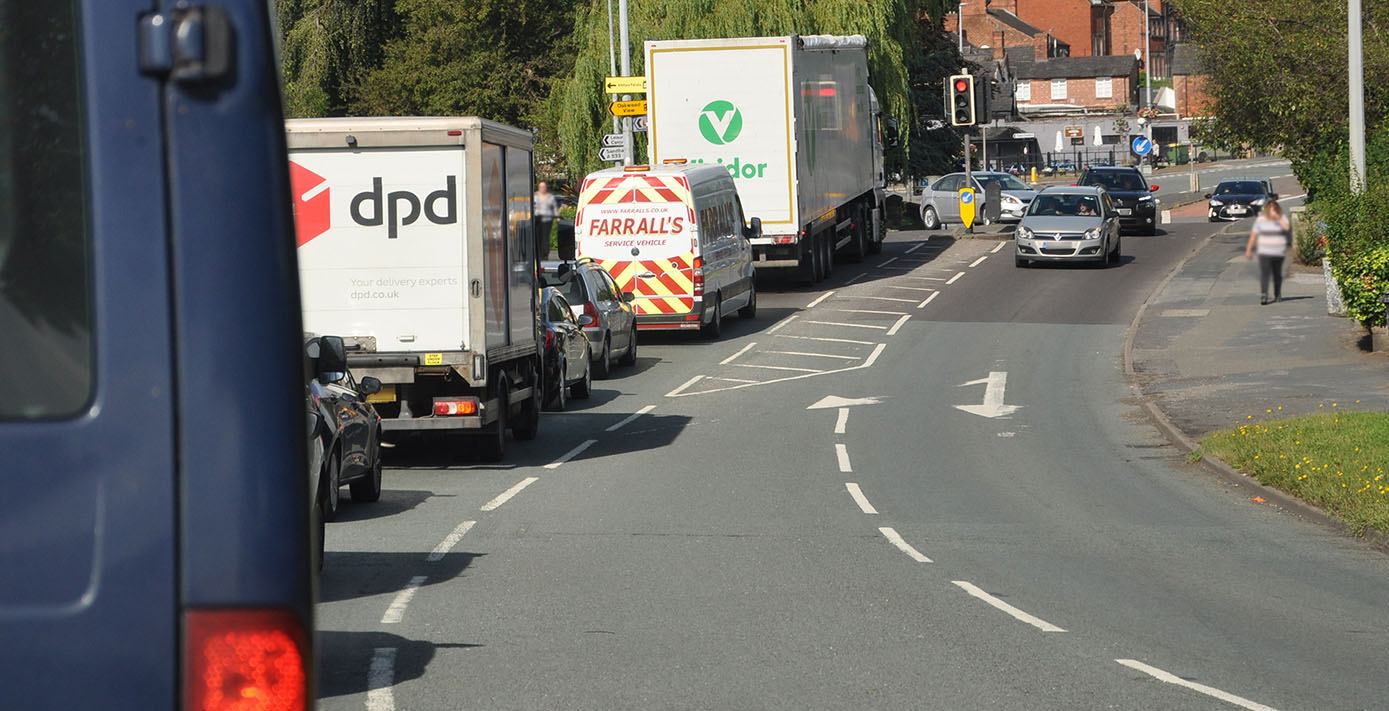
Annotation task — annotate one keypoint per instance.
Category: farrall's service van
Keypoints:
(674, 235)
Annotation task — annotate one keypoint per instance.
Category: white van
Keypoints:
(673, 235)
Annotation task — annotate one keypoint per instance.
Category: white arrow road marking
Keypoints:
(1161, 675)
(380, 680)
(1017, 614)
(833, 401)
(993, 397)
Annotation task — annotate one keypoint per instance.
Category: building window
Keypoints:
(1058, 89)
(1104, 88)
(1024, 90)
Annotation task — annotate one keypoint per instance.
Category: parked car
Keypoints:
(352, 430)
(1133, 197)
(315, 475)
(1068, 223)
(1238, 198)
(940, 203)
(591, 290)
(566, 358)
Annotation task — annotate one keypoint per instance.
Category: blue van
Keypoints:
(154, 533)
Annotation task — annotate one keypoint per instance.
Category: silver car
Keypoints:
(940, 201)
(1068, 224)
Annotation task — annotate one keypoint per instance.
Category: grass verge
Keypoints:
(1333, 460)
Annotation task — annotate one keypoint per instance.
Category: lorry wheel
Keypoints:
(750, 309)
(527, 425)
(827, 244)
(494, 439)
(368, 488)
(604, 364)
(712, 329)
(810, 262)
(858, 249)
(630, 357)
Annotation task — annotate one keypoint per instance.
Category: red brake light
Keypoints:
(449, 408)
(698, 276)
(244, 659)
(591, 311)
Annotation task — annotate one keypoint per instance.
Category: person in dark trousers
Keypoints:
(546, 209)
(1270, 238)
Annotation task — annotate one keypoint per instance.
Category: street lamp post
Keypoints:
(1357, 101)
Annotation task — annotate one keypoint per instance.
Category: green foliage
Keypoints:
(581, 108)
(1355, 228)
(327, 46)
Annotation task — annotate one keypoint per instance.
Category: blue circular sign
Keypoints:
(967, 197)
(1142, 145)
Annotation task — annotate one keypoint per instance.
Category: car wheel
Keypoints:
(1153, 230)
(493, 447)
(560, 394)
(584, 388)
(750, 309)
(712, 329)
(1112, 257)
(333, 483)
(603, 363)
(368, 488)
(630, 357)
(929, 218)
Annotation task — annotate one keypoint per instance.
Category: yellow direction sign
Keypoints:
(967, 207)
(624, 85)
(627, 108)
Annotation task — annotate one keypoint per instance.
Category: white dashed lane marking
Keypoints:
(1170, 678)
(860, 499)
(817, 301)
(571, 454)
(902, 545)
(952, 280)
(928, 300)
(396, 612)
(449, 542)
(505, 496)
(734, 357)
(841, 453)
(380, 679)
(1017, 614)
(628, 419)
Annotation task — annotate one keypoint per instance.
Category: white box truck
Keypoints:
(796, 124)
(415, 246)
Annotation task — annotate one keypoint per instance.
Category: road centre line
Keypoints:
(813, 355)
(999, 248)
(505, 496)
(951, 280)
(571, 454)
(915, 247)
(919, 278)
(902, 545)
(684, 385)
(841, 422)
(928, 300)
(1017, 614)
(880, 298)
(817, 301)
(781, 323)
(396, 611)
(841, 452)
(890, 261)
(1170, 678)
(848, 325)
(731, 380)
(908, 288)
(860, 499)
(734, 357)
(628, 419)
(978, 261)
(827, 340)
(897, 326)
(380, 679)
(449, 542)
(868, 311)
(779, 367)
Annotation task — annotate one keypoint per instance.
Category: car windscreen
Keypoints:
(1116, 180)
(1239, 187)
(1005, 182)
(1064, 206)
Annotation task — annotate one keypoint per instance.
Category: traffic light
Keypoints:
(962, 100)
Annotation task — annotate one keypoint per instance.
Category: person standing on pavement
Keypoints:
(546, 209)
(1270, 238)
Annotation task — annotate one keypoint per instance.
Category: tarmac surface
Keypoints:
(1202, 354)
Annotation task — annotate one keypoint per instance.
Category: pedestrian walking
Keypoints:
(1270, 238)
(546, 209)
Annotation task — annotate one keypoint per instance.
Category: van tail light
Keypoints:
(245, 659)
(456, 406)
(591, 311)
(699, 276)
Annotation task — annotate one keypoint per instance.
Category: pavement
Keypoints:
(1202, 355)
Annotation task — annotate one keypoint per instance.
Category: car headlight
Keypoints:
(1092, 233)
(1216, 203)
(1145, 198)
(1010, 200)
(1258, 202)
(1023, 233)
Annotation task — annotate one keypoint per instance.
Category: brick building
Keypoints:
(1065, 28)
(1075, 84)
(1188, 83)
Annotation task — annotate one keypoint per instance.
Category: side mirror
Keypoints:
(586, 321)
(891, 137)
(369, 385)
(332, 354)
(1273, 196)
(628, 297)
(754, 228)
(1208, 195)
(1152, 188)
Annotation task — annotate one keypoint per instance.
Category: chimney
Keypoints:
(1039, 46)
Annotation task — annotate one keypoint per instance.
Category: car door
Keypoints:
(620, 319)
(945, 196)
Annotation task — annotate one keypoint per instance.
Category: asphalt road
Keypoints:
(800, 515)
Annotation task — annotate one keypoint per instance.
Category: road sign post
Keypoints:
(967, 207)
(627, 108)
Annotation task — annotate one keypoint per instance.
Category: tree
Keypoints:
(327, 47)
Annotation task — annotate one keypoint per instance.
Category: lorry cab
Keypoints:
(154, 548)
(674, 235)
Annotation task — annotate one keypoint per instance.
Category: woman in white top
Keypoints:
(1271, 238)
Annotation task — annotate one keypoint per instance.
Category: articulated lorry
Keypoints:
(796, 124)
(415, 246)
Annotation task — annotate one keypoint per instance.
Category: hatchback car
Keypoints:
(1069, 224)
(1133, 197)
(940, 202)
(591, 290)
(566, 352)
(351, 428)
(1235, 199)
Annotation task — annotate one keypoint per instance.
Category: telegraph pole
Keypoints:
(1357, 101)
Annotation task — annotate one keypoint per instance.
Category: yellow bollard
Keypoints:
(1034, 175)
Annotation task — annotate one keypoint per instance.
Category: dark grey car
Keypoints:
(940, 201)
(1069, 224)
(591, 290)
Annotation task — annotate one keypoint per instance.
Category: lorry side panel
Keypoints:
(834, 129)
(520, 247)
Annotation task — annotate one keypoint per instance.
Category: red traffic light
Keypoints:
(961, 85)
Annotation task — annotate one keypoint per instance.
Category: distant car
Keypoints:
(1238, 198)
(1067, 223)
(352, 429)
(566, 360)
(940, 202)
(591, 290)
(1133, 197)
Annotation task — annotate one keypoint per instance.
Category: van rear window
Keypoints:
(45, 292)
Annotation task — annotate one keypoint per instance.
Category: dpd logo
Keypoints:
(720, 122)
(311, 217)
